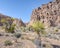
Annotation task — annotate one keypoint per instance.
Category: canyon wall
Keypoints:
(49, 14)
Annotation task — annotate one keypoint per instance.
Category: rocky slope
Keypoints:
(10, 20)
(49, 14)
(23, 37)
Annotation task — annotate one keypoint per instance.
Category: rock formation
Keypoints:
(49, 14)
(5, 18)
(11, 20)
(19, 22)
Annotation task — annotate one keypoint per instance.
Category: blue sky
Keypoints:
(20, 8)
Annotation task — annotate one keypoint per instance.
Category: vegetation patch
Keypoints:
(8, 43)
(17, 35)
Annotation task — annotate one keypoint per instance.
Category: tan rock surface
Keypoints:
(49, 14)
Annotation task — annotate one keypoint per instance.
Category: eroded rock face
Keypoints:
(49, 14)
(11, 20)
(5, 18)
(19, 22)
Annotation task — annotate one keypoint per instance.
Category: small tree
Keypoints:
(39, 28)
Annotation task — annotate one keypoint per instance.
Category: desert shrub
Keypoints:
(10, 29)
(26, 29)
(29, 28)
(17, 35)
(38, 27)
(12, 19)
(3, 20)
(22, 29)
(56, 30)
(8, 42)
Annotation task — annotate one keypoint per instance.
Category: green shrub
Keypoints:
(7, 42)
(29, 28)
(10, 29)
(17, 35)
(38, 27)
(56, 30)
(12, 19)
(3, 20)
(22, 29)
